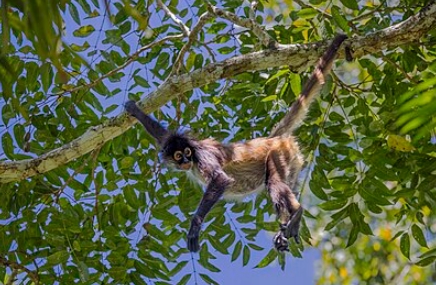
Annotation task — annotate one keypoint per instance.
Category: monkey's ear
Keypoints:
(153, 128)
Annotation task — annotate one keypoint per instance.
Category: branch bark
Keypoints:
(297, 56)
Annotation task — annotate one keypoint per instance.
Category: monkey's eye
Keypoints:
(178, 155)
(188, 152)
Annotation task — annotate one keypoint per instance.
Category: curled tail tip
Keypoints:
(338, 40)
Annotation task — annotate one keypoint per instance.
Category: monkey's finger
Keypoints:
(280, 242)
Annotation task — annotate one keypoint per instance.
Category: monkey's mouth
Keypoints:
(185, 166)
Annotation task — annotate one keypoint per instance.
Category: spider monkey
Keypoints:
(239, 169)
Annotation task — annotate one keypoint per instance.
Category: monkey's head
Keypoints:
(178, 151)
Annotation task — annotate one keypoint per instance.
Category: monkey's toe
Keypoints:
(193, 244)
(292, 228)
(280, 242)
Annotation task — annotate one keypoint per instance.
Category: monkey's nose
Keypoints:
(186, 165)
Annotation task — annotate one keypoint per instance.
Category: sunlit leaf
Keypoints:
(405, 245)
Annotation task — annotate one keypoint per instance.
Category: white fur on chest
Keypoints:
(195, 176)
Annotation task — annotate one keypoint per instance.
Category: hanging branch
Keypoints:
(170, 14)
(297, 56)
(250, 24)
(191, 38)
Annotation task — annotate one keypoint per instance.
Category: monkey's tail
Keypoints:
(299, 108)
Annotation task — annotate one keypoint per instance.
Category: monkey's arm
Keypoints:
(214, 191)
(152, 127)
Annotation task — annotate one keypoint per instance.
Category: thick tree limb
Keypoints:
(297, 56)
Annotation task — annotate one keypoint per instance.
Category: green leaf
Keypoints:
(136, 278)
(83, 271)
(428, 253)
(84, 31)
(218, 245)
(46, 76)
(178, 267)
(317, 190)
(237, 251)
(74, 13)
(426, 261)
(353, 236)
(418, 235)
(246, 255)
(141, 81)
(255, 246)
(185, 279)
(339, 19)
(307, 13)
(333, 204)
(142, 268)
(208, 279)
(338, 217)
(372, 197)
(85, 6)
(352, 4)
(270, 257)
(131, 197)
(269, 98)
(405, 245)
(127, 162)
(357, 218)
(58, 257)
(226, 50)
(8, 145)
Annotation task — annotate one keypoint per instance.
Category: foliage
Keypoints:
(115, 216)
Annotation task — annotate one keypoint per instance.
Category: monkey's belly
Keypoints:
(248, 179)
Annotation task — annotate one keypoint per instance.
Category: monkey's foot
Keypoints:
(292, 228)
(280, 242)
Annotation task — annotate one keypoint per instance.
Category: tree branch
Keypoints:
(191, 38)
(179, 22)
(251, 24)
(297, 56)
(134, 56)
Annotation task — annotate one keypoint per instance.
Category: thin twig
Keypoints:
(370, 13)
(192, 37)
(250, 24)
(129, 60)
(71, 178)
(170, 14)
(253, 9)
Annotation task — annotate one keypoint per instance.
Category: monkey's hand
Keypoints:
(193, 234)
(280, 242)
(292, 228)
(288, 230)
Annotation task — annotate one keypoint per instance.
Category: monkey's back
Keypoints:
(245, 163)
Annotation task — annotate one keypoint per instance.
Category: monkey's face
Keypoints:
(183, 159)
(179, 153)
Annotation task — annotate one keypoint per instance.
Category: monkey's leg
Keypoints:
(215, 189)
(289, 210)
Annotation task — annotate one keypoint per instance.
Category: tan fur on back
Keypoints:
(246, 163)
